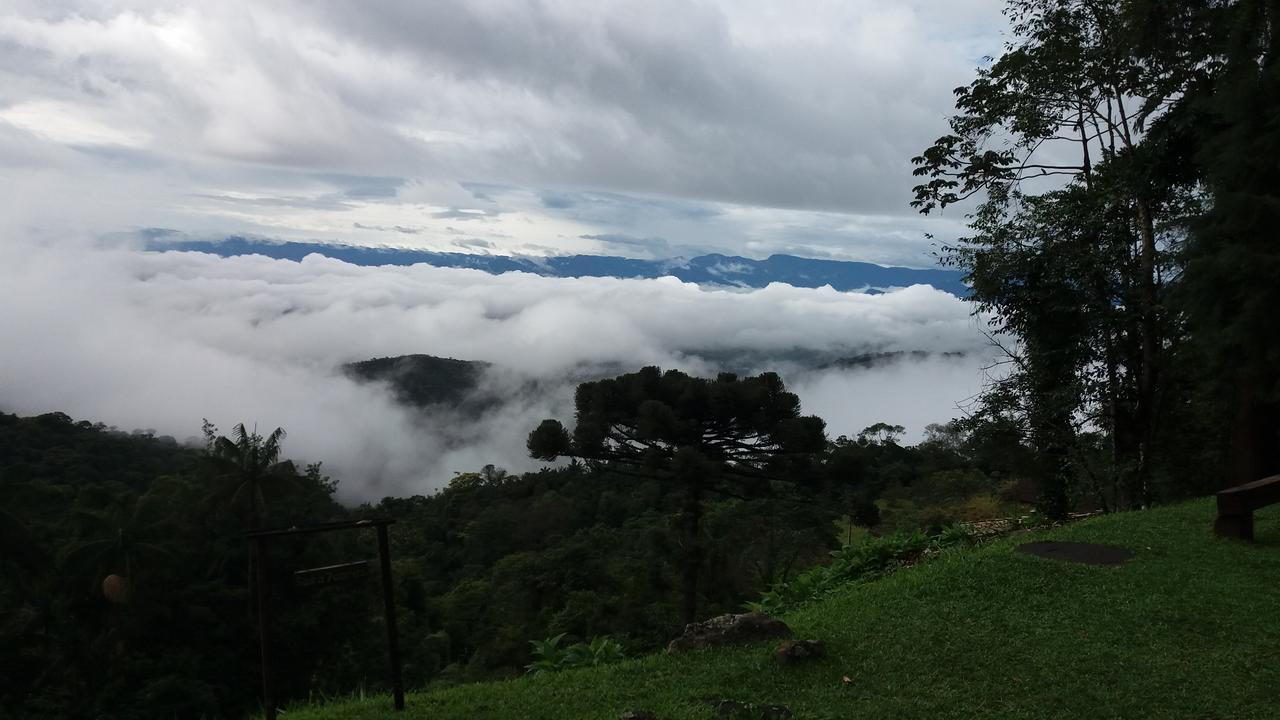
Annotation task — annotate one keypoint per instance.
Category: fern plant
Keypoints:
(550, 656)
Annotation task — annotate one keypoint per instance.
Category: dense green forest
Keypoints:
(482, 567)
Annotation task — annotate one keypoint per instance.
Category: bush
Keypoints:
(851, 563)
(549, 656)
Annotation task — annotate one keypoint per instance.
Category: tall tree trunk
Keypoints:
(1050, 419)
(253, 505)
(1113, 414)
(1149, 329)
(690, 521)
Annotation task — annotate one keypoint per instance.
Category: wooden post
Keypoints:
(1239, 526)
(264, 625)
(323, 576)
(389, 608)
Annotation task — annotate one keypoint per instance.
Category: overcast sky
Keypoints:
(650, 129)
(645, 129)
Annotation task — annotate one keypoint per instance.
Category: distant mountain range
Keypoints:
(713, 269)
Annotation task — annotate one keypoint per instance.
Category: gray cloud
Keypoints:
(557, 201)
(466, 214)
(654, 246)
(324, 202)
(473, 244)
(816, 109)
(383, 228)
(356, 186)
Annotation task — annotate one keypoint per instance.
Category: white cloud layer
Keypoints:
(144, 340)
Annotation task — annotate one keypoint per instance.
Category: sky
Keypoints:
(644, 129)
(656, 129)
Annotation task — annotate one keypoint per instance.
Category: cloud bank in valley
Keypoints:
(160, 340)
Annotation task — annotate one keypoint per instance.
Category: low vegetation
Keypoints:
(864, 561)
(1186, 629)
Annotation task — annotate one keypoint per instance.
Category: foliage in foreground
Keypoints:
(981, 633)
(866, 560)
(1123, 247)
(550, 656)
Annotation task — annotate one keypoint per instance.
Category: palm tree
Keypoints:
(246, 464)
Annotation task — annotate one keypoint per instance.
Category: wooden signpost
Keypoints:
(318, 577)
(346, 573)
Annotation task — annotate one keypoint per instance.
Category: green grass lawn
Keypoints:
(1189, 628)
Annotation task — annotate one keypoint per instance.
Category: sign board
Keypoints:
(331, 574)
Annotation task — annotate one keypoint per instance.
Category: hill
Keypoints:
(422, 380)
(712, 269)
(1186, 629)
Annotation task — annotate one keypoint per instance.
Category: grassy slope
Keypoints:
(1188, 629)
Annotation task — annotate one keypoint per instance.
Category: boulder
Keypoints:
(637, 715)
(794, 651)
(729, 630)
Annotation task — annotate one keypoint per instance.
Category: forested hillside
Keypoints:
(422, 380)
(481, 568)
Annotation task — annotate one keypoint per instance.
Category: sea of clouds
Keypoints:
(159, 341)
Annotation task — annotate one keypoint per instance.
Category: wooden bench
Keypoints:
(1236, 506)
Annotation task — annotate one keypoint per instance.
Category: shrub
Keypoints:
(852, 563)
(550, 656)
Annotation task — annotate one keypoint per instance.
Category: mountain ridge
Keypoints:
(709, 269)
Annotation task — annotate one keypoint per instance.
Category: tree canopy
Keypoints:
(729, 436)
(1122, 157)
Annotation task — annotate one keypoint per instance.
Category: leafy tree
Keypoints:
(729, 437)
(1074, 242)
(1218, 64)
(881, 433)
(247, 465)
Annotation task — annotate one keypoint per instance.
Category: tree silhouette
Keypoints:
(729, 436)
(246, 465)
